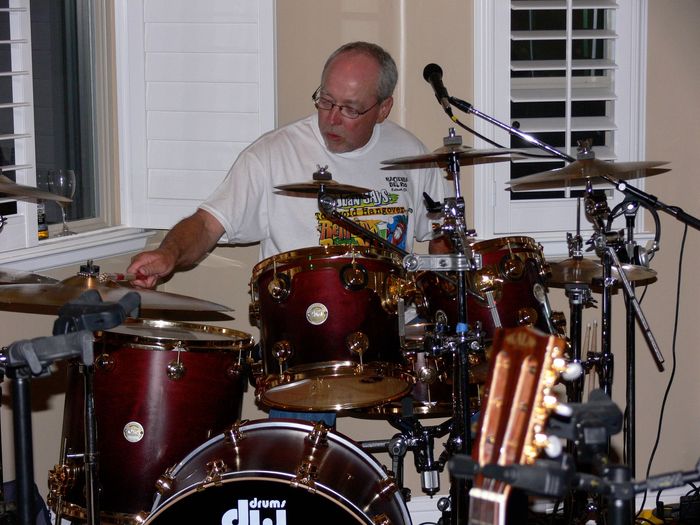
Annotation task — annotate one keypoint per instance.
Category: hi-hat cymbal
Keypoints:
(579, 171)
(586, 271)
(330, 187)
(8, 276)
(9, 187)
(48, 298)
(441, 157)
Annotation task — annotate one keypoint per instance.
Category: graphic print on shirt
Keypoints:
(380, 212)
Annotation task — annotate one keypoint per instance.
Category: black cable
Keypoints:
(494, 143)
(673, 367)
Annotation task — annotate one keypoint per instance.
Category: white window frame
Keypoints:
(21, 249)
(125, 237)
(553, 217)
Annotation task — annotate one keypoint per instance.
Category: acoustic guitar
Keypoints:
(518, 398)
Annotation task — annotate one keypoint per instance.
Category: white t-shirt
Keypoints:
(250, 209)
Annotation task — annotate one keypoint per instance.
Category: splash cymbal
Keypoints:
(586, 271)
(441, 157)
(9, 187)
(329, 187)
(47, 298)
(580, 171)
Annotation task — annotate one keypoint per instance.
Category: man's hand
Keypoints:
(150, 266)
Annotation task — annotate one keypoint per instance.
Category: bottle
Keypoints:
(42, 227)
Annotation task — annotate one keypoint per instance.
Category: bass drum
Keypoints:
(279, 472)
(161, 388)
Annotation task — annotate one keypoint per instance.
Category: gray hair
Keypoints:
(388, 74)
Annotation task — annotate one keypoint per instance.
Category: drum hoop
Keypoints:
(248, 426)
(332, 253)
(498, 243)
(238, 340)
(264, 423)
(282, 478)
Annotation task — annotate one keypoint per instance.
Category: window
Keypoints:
(562, 70)
(55, 109)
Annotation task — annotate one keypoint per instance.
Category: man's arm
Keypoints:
(183, 246)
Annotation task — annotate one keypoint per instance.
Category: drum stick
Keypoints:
(118, 276)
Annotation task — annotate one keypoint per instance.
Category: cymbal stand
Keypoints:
(579, 295)
(462, 262)
(7, 513)
(454, 225)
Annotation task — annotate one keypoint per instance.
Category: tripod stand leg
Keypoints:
(24, 461)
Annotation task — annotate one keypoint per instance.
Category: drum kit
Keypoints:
(333, 337)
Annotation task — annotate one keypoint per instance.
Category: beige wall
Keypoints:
(416, 33)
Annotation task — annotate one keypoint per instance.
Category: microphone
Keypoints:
(432, 73)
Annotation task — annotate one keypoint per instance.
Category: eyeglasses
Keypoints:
(347, 111)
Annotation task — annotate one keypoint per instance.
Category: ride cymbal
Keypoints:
(580, 171)
(47, 298)
(330, 187)
(586, 271)
(9, 187)
(441, 157)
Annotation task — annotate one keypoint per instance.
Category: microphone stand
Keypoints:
(648, 199)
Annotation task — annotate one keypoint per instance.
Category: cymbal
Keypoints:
(330, 187)
(8, 276)
(579, 171)
(441, 157)
(9, 187)
(47, 298)
(585, 271)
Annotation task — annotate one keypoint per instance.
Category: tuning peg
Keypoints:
(572, 371)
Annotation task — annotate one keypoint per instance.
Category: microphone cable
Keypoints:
(673, 368)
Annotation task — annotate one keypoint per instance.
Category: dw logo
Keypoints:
(249, 512)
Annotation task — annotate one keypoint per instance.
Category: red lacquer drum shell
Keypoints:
(161, 389)
(329, 328)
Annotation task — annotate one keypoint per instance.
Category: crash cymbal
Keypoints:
(9, 187)
(441, 157)
(330, 187)
(48, 298)
(8, 276)
(586, 271)
(582, 170)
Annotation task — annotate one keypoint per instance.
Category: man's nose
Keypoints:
(334, 115)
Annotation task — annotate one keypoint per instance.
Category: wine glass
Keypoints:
(62, 182)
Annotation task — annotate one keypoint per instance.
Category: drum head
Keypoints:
(255, 500)
(278, 472)
(343, 390)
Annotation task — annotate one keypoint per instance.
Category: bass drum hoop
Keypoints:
(321, 488)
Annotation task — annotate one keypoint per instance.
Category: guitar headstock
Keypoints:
(518, 395)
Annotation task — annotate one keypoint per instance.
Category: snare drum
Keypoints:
(278, 472)
(161, 389)
(432, 393)
(329, 328)
(505, 291)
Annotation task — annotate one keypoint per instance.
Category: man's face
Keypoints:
(351, 80)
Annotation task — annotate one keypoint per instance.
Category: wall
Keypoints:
(417, 33)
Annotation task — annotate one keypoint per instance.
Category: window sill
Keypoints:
(77, 249)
